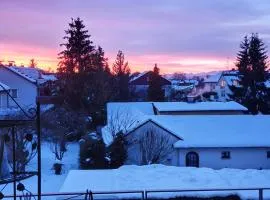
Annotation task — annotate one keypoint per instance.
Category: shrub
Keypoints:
(117, 151)
(92, 152)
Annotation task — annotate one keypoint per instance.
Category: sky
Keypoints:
(178, 35)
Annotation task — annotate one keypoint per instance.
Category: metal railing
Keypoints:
(134, 194)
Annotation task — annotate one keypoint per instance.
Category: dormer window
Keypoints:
(223, 84)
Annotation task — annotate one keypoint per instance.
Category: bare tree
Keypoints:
(26, 146)
(32, 63)
(121, 120)
(154, 147)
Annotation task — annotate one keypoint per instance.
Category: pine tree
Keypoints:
(121, 72)
(76, 64)
(100, 86)
(252, 67)
(155, 91)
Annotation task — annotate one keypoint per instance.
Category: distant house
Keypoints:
(209, 140)
(140, 83)
(209, 85)
(24, 84)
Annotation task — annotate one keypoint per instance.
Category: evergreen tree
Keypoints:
(118, 151)
(252, 67)
(155, 91)
(76, 64)
(92, 152)
(100, 86)
(121, 72)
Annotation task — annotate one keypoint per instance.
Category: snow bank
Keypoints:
(160, 177)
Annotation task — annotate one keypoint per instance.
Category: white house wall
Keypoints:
(242, 158)
(134, 150)
(27, 91)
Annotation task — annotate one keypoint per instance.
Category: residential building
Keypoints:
(209, 140)
(24, 84)
(139, 85)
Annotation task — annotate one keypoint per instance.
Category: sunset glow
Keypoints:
(166, 33)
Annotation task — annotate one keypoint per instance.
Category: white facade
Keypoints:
(242, 158)
(23, 90)
(135, 151)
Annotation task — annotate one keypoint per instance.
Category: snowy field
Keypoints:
(152, 177)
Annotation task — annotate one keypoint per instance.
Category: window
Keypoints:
(268, 154)
(192, 159)
(225, 155)
(14, 93)
(223, 93)
(235, 83)
(223, 84)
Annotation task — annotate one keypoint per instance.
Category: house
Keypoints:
(24, 84)
(215, 141)
(209, 86)
(140, 83)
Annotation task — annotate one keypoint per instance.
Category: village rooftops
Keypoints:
(213, 78)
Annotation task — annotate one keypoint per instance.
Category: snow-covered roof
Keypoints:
(199, 106)
(34, 75)
(161, 177)
(138, 76)
(182, 87)
(217, 131)
(4, 86)
(213, 78)
(230, 79)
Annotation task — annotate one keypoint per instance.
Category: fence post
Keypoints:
(260, 194)
(91, 195)
(145, 194)
(86, 195)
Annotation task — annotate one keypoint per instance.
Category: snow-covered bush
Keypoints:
(92, 152)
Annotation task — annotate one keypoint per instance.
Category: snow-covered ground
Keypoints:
(152, 177)
(51, 183)
(160, 177)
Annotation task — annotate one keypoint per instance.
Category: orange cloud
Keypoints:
(47, 58)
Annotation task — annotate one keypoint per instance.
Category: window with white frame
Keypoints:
(14, 93)
(225, 155)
